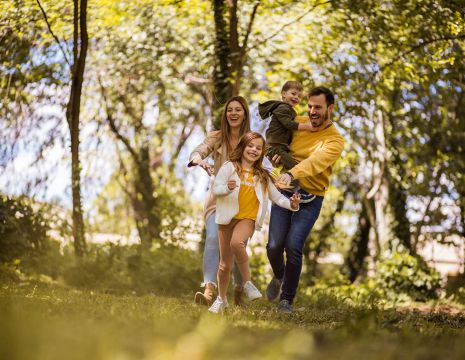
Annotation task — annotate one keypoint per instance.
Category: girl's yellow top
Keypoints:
(248, 201)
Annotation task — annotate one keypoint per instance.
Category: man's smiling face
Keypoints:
(318, 110)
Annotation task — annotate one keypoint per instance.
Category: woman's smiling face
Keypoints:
(235, 114)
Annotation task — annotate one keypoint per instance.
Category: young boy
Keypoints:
(282, 124)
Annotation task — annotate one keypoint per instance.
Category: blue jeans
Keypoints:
(211, 254)
(288, 232)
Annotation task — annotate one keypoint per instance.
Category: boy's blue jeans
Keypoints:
(211, 254)
(287, 233)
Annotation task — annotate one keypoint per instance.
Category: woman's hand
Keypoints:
(231, 184)
(204, 165)
(295, 200)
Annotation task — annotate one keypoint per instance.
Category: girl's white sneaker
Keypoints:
(251, 291)
(218, 305)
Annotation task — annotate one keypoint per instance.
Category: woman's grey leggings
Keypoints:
(211, 255)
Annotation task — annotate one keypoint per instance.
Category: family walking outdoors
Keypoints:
(237, 201)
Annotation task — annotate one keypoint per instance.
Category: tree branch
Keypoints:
(52, 33)
(249, 27)
(183, 138)
(297, 19)
(113, 127)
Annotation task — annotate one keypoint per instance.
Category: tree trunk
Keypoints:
(230, 53)
(72, 115)
(325, 232)
(398, 203)
(395, 175)
(236, 50)
(221, 73)
(359, 247)
(148, 223)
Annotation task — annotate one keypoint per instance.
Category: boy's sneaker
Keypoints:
(251, 291)
(218, 306)
(273, 289)
(284, 307)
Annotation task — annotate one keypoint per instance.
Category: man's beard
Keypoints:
(320, 120)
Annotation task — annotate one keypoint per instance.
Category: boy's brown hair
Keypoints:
(291, 84)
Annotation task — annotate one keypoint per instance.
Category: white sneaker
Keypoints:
(218, 305)
(251, 291)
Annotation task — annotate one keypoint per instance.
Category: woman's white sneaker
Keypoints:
(218, 306)
(251, 291)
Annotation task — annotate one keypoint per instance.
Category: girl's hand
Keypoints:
(295, 200)
(231, 184)
(204, 165)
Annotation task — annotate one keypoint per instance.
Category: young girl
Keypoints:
(242, 188)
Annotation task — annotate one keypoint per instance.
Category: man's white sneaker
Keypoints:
(251, 291)
(218, 305)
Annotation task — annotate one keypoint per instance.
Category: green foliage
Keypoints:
(399, 278)
(402, 273)
(150, 67)
(167, 270)
(23, 230)
(459, 296)
(337, 287)
(259, 265)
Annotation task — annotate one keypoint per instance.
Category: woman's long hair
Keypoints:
(226, 129)
(236, 158)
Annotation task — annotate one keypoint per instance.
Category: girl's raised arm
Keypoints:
(278, 198)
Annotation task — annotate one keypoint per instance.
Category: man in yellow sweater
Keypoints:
(316, 151)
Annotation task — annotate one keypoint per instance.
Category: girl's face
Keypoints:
(235, 114)
(253, 150)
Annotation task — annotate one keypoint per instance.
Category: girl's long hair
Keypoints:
(236, 158)
(226, 129)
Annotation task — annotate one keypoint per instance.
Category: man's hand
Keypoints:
(204, 165)
(284, 179)
(231, 184)
(295, 200)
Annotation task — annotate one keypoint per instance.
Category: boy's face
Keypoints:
(292, 96)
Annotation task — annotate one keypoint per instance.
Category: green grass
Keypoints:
(49, 321)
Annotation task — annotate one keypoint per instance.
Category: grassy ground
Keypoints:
(44, 321)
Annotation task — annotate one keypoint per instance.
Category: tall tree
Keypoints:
(80, 44)
(142, 107)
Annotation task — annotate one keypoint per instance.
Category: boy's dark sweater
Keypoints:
(282, 121)
(279, 132)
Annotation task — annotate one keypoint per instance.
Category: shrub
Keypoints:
(104, 267)
(401, 273)
(168, 270)
(109, 267)
(23, 231)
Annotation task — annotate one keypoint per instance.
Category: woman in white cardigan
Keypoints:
(242, 188)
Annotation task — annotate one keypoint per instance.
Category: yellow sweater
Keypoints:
(316, 152)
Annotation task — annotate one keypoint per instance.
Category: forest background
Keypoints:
(102, 102)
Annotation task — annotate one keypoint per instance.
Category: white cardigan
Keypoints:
(227, 203)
